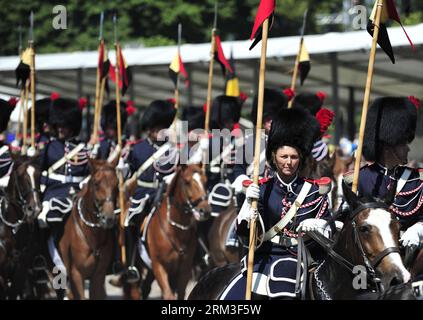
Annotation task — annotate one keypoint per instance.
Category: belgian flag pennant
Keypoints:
(220, 57)
(389, 11)
(125, 74)
(23, 70)
(304, 65)
(176, 67)
(265, 10)
(232, 82)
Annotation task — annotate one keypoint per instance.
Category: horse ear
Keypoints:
(352, 199)
(392, 192)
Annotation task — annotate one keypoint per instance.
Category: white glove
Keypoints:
(237, 184)
(204, 144)
(413, 235)
(253, 192)
(318, 225)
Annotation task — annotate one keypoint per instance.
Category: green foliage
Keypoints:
(154, 22)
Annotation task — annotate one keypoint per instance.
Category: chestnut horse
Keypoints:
(87, 243)
(171, 231)
(19, 207)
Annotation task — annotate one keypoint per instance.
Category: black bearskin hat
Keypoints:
(295, 128)
(274, 100)
(66, 112)
(195, 117)
(42, 109)
(308, 101)
(6, 109)
(390, 121)
(108, 115)
(159, 114)
(225, 108)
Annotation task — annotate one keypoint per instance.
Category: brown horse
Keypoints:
(87, 243)
(19, 207)
(171, 232)
(219, 253)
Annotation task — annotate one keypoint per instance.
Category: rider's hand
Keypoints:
(253, 192)
(412, 235)
(237, 184)
(317, 225)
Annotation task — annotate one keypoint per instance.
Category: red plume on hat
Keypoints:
(83, 102)
(290, 93)
(130, 108)
(325, 118)
(415, 101)
(243, 96)
(13, 101)
(321, 95)
(54, 96)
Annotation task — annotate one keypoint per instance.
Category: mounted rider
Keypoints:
(6, 109)
(64, 163)
(291, 138)
(158, 116)
(390, 128)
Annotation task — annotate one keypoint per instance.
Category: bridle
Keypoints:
(370, 265)
(97, 213)
(20, 203)
(188, 207)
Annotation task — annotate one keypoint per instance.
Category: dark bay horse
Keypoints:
(367, 245)
(171, 232)
(19, 207)
(87, 243)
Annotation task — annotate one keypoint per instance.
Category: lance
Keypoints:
(176, 93)
(118, 67)
(367, 92)
(99, 81)
(210, 81)
(21, 101)
(256, 172)
(297, 59)
(31, 45)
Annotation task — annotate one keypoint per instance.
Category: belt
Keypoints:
(147, 184)
(284, 241)
(65, 179)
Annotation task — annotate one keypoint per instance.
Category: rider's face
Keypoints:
(287, 161)
(64, 132)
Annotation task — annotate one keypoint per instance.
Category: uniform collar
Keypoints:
(386, 171)
(289, 186)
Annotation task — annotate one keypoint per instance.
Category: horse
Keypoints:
(86, 246)
(221, 254)
(19, 207)
(171, 231)
(366, 249)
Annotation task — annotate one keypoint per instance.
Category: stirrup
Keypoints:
(39, 263)
(132, 275)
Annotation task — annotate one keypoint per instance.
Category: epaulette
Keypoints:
(324, 183)
(132, 142)
(246, 183)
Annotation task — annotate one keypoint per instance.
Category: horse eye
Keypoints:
(364, 229)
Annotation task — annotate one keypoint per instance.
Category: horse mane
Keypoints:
(173, 183)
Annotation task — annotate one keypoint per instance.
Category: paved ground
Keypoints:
(114, 293)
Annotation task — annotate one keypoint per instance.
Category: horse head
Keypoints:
(374, 231)
(23, 190)
(103, 189)
(193, 193)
